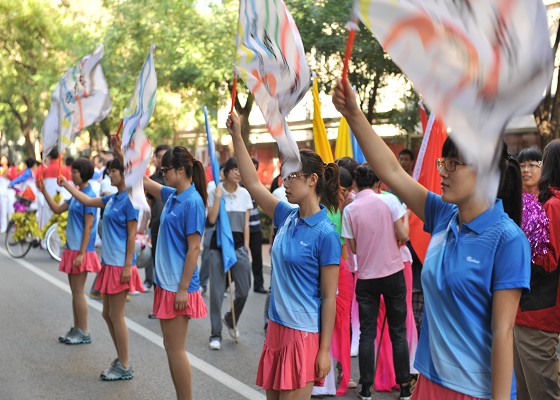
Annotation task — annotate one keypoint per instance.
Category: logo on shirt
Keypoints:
(172, 213)
(303, 243)
(473, 260)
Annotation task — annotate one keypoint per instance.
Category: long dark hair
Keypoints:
(328, 186)
(550, 171)
(181, 157)
(511, 187)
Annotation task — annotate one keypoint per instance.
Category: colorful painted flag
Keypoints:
(322, 145)
(425, 173)
(271, 61)
(136, 147)
(357, 150)
(80, 99)
(476, 63)
(343, 146)
(224, 235)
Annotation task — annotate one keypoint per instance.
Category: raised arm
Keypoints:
(81, 197)
(153, 187)
(377, 153)
(249, 175)
(54, 206)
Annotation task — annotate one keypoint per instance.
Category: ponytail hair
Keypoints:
(181, 157)
(328, 185)
(511, 186)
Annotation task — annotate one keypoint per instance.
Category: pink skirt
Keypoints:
(109, 280)
(288, 359)
(425, 389)
(164, 305)
(90, 263)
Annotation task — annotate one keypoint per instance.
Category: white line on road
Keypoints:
(201, 365)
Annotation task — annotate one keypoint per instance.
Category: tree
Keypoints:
(547, 113)
(322, 28)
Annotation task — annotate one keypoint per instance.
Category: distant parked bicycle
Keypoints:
(23, 232)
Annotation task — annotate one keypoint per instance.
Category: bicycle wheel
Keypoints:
(16, 248)
(54, 245)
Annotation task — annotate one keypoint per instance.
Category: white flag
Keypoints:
(136, 147)
(476, 63)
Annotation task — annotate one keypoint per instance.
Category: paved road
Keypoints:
(35, 310)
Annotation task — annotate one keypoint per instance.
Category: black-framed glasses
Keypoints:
(165, 169)
(449, 164)
(295, 175)
(530, 166)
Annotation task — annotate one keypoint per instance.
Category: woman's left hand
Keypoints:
(77, 263)
(126, 274)
(181, 300)
(322, 364)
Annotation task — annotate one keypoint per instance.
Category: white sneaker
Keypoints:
(233, 333)
(215, 344)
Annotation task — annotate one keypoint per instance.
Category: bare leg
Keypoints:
(105, 314)
(162, 325)
(174, 336)
(298, 394)
(79, 303)
(117, 304)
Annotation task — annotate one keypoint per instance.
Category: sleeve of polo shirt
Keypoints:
(330, 249)
(131, 212)
(347, 231)
(166, 192)
(105, 199)
(90, 210)
(397, 210)
(435, 207)
(512, 265)
(195, 218)
(281, 212)
(248, 201)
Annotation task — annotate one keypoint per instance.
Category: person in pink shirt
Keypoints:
(373, 228)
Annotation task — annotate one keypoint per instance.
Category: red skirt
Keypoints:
(90, 262)
(109, 280)
(288, 359)
(425, 389)
(164, 305)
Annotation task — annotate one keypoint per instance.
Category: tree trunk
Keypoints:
(547, 113)
(372, 98)
(29, 146)
(24, 123)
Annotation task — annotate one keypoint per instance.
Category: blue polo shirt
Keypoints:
(301, 247)
(182, 215)
(76, 217)
(118, 211)
(462, 270)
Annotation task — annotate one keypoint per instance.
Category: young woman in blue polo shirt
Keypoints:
(79, 256)
(476, 267)
(306, 255)
(118, 274)
(177, 296)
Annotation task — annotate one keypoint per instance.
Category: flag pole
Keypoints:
(233, 92)
(231, 299)
(119, 129)
(352, 27)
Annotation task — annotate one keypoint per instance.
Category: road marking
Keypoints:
(201, 365)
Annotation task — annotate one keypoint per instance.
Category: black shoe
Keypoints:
(260, 290)
(406, 392)
(365, 393)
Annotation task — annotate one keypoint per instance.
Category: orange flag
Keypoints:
(427, 175)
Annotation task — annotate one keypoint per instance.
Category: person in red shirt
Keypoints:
(538, 321)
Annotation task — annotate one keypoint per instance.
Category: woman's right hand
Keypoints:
(63, 181)
(344, 98)
(233, 125)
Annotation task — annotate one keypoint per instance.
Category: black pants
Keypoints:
(255, 244)
(368, 292)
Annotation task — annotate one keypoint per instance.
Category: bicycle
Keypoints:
(22, 233)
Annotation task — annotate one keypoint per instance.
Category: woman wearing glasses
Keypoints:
(475, 269)
(538, 321)
(530, 162)
(177, 296)
(306, 255)
(119, 274)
